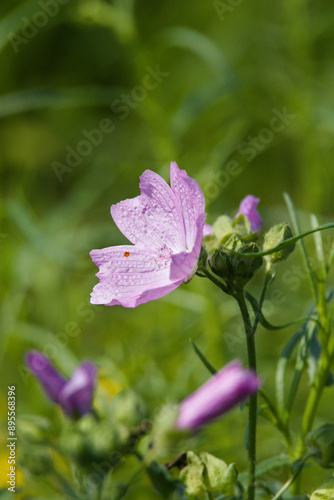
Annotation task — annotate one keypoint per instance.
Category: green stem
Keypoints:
(287, 484)
(252, 415)
(313, 400)
(214, 280)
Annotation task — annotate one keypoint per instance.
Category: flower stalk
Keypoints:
(252, 412)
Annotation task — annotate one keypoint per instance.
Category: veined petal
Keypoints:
(184, 264)
(191, 199)
(150, 294)
(153, 219)
(77, 395)
(130, 275)
(47, 375)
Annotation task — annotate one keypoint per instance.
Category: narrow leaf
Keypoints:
(203, 358)
(256, 308)
(295, 223)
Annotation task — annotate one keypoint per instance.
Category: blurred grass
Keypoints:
(225, 78)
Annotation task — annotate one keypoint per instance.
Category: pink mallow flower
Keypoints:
(165, 226)
(248, 208)
(228, 387)
(74, 395)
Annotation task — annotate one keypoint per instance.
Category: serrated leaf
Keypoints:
(267, 465)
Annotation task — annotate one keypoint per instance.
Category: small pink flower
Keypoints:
(248, 208)
(165, 226)
(228, 387)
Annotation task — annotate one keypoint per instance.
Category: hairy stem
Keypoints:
(252, 415)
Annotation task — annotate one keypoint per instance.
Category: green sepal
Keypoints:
(276, 235)
(224, 227)
(129, 408)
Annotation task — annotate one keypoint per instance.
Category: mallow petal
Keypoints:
(77, 395)
(51, 380)
(184, 264)
(228, 387)
(130, 275)
(154, 218)
(191, 199)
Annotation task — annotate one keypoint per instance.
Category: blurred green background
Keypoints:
(240, 94)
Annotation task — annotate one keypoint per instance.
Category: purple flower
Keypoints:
(248, 208)
(166, 226)
(220, 393)
(74, 395)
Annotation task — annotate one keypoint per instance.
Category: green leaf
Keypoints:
(203, 358)
(295, 223)
(12, 22)
(266, 466)
(325, 492)
(281, 365)
(302, 356)
(164, 483)
(40, 98)
(218, 476)
(201, 45)
(192, 476)
(313, 357)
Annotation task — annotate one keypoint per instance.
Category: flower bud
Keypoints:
(89, 441)
(224, 390)
(235, 269)
(224, 227)
(277, 234)
(248, 209)
(320, 442)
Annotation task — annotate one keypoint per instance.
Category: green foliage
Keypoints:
(206, 473)
(325, 492)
